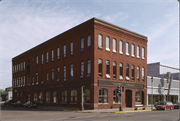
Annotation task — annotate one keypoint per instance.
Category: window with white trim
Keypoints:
(127, 72)
(138, 52)
(143, 56)
(127, 48)
(143, 70)
(103, 95)
(138, 73)
(107, 69)
(121, 47)
(107, 43)
(114, 45)
(121, 71)
(100, 41)
(132, 50)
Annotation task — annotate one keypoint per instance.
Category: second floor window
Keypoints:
(36, 60)
(82, 69)
(82, 44)
(121, 47)
(132, 73)
(52, 55)
(71, 51)
(138, 73)
(100, 41)
(58, 74)
(99, 67)
(121, 71)
(143, 53)
(107, 69)
(42, 77)
(71, 72)
(114, 45)
(107, 44)
(47, 76)
(114, 70)
(64, 50)
(58, 53)
(137, 51)
(52, 75)
(89, 40)
(142, 74)
(127, 72)
(88, 68)
(64, 73)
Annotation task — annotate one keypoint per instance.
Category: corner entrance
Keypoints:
(128, 98)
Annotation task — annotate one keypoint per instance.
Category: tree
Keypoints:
(1, 91)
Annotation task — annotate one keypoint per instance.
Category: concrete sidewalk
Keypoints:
(125, 110)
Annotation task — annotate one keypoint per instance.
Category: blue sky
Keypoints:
(27, 24)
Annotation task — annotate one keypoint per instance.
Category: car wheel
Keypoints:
(164, 108)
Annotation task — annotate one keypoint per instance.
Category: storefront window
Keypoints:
(103, 96)
(74, 96)
(116, 96)
(64, 96)
(47, 96)
(55, 96)
(35, 97)
(138, 96)
(87, 96)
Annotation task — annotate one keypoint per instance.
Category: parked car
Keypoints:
(18, 103)
(31, 105)
(165, 106)
(157, 103)
(8, 102)
(176, 106)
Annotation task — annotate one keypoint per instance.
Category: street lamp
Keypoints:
(151, 93)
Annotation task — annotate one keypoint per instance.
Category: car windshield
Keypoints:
(162, 104)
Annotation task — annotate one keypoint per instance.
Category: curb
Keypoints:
(107, 112)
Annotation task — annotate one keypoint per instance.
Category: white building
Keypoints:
(159, 85)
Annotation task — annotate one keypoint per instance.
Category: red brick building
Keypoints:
(94, 54)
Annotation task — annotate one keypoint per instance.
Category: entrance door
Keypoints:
(128, 98)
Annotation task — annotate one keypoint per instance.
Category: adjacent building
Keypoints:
(7, 94)
(158, 83)
(94, 54)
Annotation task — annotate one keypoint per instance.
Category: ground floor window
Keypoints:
(116, 96)
(47, 96)
(64, 96)
(138, 96)
(103, 95)
(73, 96)
(55, 96)
(35, 97)
(87, 96)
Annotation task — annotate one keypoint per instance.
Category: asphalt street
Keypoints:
(9, 113)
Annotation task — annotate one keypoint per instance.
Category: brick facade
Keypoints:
(92, 27)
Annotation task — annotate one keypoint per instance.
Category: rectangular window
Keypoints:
(58, 74)
(142, 74)
(100, 41)
(82, 44)
(36, 60)
(121, 71)
(42, 77)
(127, 48)
(47, 76)
(42, 58)
(71, 51)
(127, 72)
(133, 73)
(114, 70)
(89, 41)
(132, 50)
(64, 52)
(64, 73)
(71, 72)
(52, 75)
(47, 57)
(17, 67)
(21, 66)
(107, 44)
(99, 67)
(13, 69)
(24, 80)
(52, 55)
(37, 80)
(121, 47)
(21, 81)
(107, 69)
(15, 82)
(137, 51)
(32, 62)
(114, 45)
(58, 53)
(32, 79)
(24, 65)
(138, 73)
(88, 68)
(82, 69)
(143, 57)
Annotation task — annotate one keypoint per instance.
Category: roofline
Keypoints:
(164, 65)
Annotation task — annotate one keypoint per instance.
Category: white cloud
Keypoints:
(120, 16)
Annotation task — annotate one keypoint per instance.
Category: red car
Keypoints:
(31, 105)
(165, 106)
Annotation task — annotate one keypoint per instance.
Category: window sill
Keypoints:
(100, 77)
(55, 102)
(143, 58)
(82, 49)
(133, 56)
(103, 103)
(107, 49)
(138, 57)
(116, 103)
(100, 48)
(120, 52)
(88, 47)
(88, 75)
(114, 51)
(127, 54)
(81, 77)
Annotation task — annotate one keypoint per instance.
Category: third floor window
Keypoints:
(100, 41)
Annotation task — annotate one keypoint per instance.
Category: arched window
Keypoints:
(35, 97)
(82, 44)
(137, 51)
(87, 96)
(121, 47)
(143, 74)
(138, 96)
(132, 71)
(127, 48)
(89, 41)
(116, 96)
(107, 69)
(99, 67)
(127, 72)
(64, 50)
(82, 69)
(55, 97)
(100, 41)
(41, 96)
(103, 95)
(132, 50)
(121, 71)
(107, 44)
(138, 73)
(114, 45)
(73, 96)
(88, 68)
(64, 96)
(71, 73)
(47, 96)
(114, 70)
(143, 54)
(64, 73)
